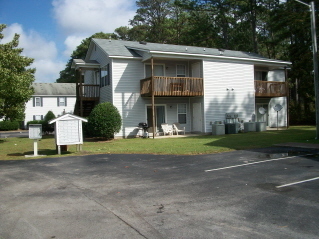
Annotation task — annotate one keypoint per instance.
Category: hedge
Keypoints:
(9, 125)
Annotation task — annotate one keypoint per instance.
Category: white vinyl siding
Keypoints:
(126, 76)
(282, 114)
(49, 103)
(277, 75)
(100, 56)
(228, 88)
(106, 90)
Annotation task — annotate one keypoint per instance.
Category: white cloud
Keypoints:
(77, 20)
(83, 17)
(71, 42)
(47, 70)
(43, 51)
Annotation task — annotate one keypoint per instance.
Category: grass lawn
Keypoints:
(16, 148)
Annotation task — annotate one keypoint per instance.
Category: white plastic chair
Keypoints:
(178, 128)
(166, 129)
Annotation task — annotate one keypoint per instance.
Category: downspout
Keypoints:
(153, 100)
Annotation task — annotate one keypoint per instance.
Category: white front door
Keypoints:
(197, 117)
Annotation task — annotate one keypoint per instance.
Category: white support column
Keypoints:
(35, 147)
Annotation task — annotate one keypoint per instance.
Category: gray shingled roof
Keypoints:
(126, 48)
(54, 89)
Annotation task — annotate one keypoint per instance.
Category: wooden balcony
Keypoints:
(172, 86)
(271, 89)
(88, 92)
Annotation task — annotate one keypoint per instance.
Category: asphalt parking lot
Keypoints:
(263, 193)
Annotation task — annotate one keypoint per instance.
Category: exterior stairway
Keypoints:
(87, 98)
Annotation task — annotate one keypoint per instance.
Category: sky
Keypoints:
(50, 30)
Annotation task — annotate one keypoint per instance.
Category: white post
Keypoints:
(35, 147)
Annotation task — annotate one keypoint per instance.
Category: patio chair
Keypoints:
(178, 128)
(167, 129)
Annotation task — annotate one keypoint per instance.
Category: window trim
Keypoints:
(183, 113)
(59, 103)
(105, 80)
(34, 117)
(35, 101)
(181, 75)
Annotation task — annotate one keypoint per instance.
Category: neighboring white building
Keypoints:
(194, 86)
(57, 97)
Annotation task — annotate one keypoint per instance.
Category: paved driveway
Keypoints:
(265, 193)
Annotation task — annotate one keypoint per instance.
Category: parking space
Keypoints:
(241, 194)
(299, 160)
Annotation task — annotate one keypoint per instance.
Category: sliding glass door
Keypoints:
(159, 116)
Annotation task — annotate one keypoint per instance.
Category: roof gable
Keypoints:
(67, 117)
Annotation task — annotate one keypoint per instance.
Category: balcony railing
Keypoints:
(88, 92)
(172, 86)
(271, 89)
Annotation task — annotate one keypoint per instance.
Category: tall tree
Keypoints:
(294, 25)
(136, 33)
(68, 74)
(16, 79)
(153, 15)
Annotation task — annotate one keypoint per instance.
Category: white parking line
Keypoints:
(304, 181)
(264, 161)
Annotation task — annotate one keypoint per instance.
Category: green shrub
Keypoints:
(104, 121)
(49, 116)
(46, 127)
(86, 130)
(9, 125)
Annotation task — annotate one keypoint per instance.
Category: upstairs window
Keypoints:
(180, 71)
(62, 101)
(105, 76)
(37, 102)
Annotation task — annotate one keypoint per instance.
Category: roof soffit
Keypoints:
(172, 55)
